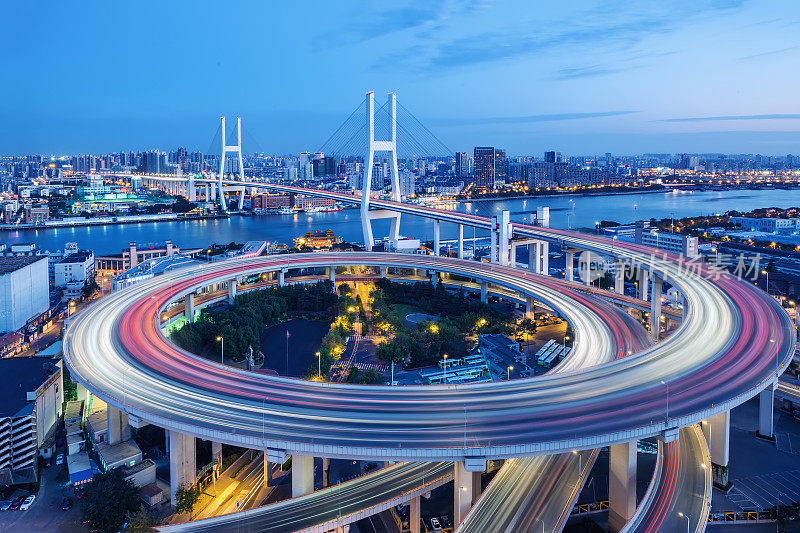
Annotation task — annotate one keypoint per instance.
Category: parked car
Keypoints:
(5, 504)
(27, 503)
(66, 505)
(16, 503)
(60, 459)
(435, 525)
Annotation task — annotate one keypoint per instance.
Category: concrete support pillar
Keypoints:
(267, 471)
(415, 515)
(529, 308)
(216, 451)
(477, 486)
(437, 241)
(462, 492)
(332, 276)
(544, 257)
(766, 401)
(570, 272)
(655, 307)
(461, 241)
(302, 475)
(534, 257)
(182, 467)
(621, 484)
(231, 291)
(188, 305)
(281, 278)
(434, 277)
(384, 271)
(644, 282)
(619, 280)
(717, 431)
(83, 395)
(206, 192)
(484, 291)
(118, 428)
(326, 472)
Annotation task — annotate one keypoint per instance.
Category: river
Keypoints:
(577, 211)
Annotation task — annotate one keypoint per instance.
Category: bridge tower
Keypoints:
(385, 146)
(231, 149)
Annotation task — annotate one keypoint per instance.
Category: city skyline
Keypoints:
(587, 77)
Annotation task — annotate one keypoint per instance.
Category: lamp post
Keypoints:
(445, 369)
(508, 372)
(221, 349)
(766, 273)
(319, 366)
(686, 516)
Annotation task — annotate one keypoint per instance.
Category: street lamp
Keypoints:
(319, 365)
(766, 273)
(686, 516)
(221, 342)
(508, 372)
(445, 368)
(580, 462)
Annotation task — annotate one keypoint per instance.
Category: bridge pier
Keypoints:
(462, 488)
(717, 433)
(302, 475)
(530, 308)
(461, 241)
(384, 271)
(434, 277)
(619, 279)
(621, 484)
(182, 467)
(118, 428)
(332, 276)
(281, 280)
(766, 401)
(500, 238)
(216, 451)
(232, 291)
(437, 240)
(326, 472)
(569, 273)
(655, 307)
(415, 515)
(644, 280)
(188, 305)
(484, 291)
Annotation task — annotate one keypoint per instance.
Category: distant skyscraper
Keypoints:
(500, 167)
(552, 157)
(462, 164)
(484, 166)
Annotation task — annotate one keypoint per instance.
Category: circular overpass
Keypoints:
(733, 341)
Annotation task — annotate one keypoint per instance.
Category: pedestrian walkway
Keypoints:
(380, 367)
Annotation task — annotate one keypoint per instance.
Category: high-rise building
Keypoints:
(500, 167)
(552, 157)
(462, 164)
(484, 174)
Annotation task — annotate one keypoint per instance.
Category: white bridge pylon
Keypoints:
(231, 149)
(386, 146)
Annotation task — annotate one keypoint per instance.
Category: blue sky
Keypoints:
(581, 76)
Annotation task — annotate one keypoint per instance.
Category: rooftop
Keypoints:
(78, 257)
(18, 377)
(11, 263)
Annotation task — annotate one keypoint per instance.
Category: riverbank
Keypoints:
(105, 221)
(562, 195)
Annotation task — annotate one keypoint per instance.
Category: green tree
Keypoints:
(139, 522)
(369, 377)
(108, 500)
(185, 499)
